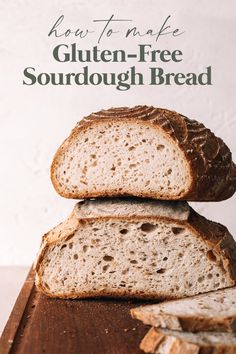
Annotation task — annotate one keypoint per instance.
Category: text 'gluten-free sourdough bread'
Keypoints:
(135, 248)
(144, 152)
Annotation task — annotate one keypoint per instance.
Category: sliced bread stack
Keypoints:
(203, 324)
(134, 235)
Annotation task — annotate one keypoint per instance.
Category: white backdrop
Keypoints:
(34, 120)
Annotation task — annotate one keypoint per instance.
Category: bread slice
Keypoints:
(174, 342)
(144, 152)
(215, 311)
(135, 248)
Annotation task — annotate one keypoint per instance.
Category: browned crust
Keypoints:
(199, 324)
(151, 341)
(215, 235)
(212, 171)
(219, 239)
(186, 323)
(155, 338)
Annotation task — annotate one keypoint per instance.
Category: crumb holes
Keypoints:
(113, 168)
(95, 241)
(209, 276)
(165, 258)
(169, 171)
(125, 271)
(93, 156)
(147, 227)
(92, 273)
(63, 246)
(133, 261)
(69, 237)
(132, 165)
(85, 248)
(131, 148)
(200, 279)
(124, 231)
(211, 256)
(71, 245)
(46, 286)
(144, 140)
(75, 256)
(105, 267)
(108, 258)
(160, 271)
(177, 230)
(160, 147)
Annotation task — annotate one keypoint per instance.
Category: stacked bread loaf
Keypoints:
(134, 235)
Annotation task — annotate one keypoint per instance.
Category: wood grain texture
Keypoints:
(39, 324)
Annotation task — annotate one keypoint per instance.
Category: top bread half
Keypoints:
(144, 152)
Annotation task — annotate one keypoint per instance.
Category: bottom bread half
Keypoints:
(133, 253)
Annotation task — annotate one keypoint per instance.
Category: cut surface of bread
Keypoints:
(144, 152)
(174, 342)
(214, 311)
(135, 248)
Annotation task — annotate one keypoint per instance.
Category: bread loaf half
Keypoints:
(214, 311)
(132, 248)
(174, 342)
(145, 152)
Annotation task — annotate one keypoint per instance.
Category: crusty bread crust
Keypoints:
(215, 235)
(211, 170)
(154, 339)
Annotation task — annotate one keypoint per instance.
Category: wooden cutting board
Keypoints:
(39, 324)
